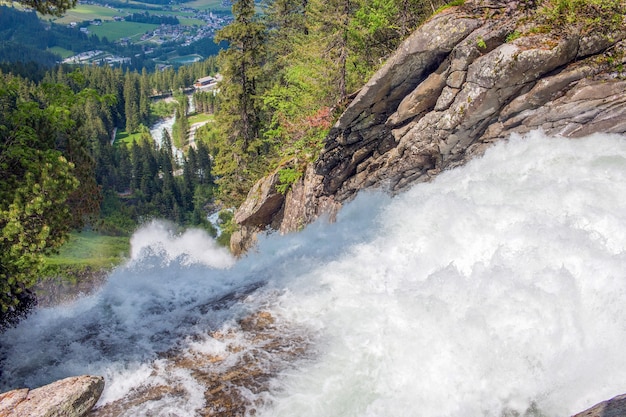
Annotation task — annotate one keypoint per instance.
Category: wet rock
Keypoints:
(257, 349)
(615, 407)
(262, 202)
(69, 397)
(451, 90)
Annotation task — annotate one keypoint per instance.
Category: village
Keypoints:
(177, 34)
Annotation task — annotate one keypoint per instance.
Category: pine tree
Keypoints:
(144, 97)
(239, 116)
(241, 67)
(131, 102)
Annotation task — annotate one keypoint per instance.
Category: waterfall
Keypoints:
(499, 287)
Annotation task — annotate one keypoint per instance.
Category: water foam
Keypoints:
(497, 286)
(193, 246)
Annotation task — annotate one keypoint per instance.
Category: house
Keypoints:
(205, 83)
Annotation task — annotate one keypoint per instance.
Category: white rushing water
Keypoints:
(500, 285)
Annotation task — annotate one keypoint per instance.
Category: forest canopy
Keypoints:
(51, 7)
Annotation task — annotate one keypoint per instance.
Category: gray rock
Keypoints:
(615, 407)
(451, 90)
(262, 203)
(69, 397)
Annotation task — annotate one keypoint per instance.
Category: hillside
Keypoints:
(134, 35)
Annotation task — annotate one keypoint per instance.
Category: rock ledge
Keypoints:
(69, 397)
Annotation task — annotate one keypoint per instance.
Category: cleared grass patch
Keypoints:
(208, 4)
(200, 118)
(83, 12)
(186, 21)
(117, 30)
(64, 53)
(123, 137)
(90, 250)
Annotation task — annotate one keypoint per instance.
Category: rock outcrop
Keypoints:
(69, 397)
(462, 81)
(615, 407)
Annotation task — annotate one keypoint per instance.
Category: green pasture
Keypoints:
(90, 249)
(148, 6)
(117, 30)
(64, 53)
(173, 12)
(187, 21)
(84, 12)
(200, 117)
(207, 4)
(126, 138)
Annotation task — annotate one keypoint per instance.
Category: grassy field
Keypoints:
(117, 30)
(208, 4)
(84, 12)
(200, 117)
(186, 21)
(123, 136)
(90, 249)
(61, 51)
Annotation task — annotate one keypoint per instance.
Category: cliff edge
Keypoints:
(468, 77)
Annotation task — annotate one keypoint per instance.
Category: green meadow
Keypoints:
(187, 21)
(126, 138)
(200, 117)
(117, 30)
(90, 250)
(64, 53)
(208, 4)
(89, 12)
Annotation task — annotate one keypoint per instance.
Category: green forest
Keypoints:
(76, 152)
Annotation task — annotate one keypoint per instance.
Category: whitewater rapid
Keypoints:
(498, 287)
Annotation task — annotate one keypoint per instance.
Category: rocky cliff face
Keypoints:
(459, 83)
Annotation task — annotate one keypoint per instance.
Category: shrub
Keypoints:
(287, 177)
(587, 15)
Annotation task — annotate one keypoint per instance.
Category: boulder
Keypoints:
(69, 397)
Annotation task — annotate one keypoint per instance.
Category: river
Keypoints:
(498, 287)
(167, 123)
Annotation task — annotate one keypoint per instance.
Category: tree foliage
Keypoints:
(582, 15)
(37, 180)
(51, 7)
(289, 72)
(239, 114)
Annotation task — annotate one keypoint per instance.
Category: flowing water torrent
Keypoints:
(167, 123)
(499, 287)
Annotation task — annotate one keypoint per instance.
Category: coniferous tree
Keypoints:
(144, 97)
(137, 167)
(131, 102)
(239, 116)
(124, 169)
(241, 67)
